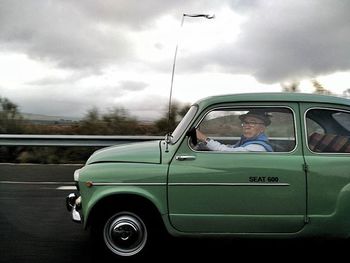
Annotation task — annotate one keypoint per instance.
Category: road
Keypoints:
(35, 227)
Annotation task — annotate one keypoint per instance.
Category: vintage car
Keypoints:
(129, 194)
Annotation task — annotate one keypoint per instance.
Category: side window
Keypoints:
(268, 129)
(328, 130)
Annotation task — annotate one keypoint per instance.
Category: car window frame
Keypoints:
(236, 107)
(185, 122)
(306, 132)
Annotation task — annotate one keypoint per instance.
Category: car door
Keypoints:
(240, 192)
(327, 153)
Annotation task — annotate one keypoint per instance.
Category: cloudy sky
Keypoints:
(63, 57)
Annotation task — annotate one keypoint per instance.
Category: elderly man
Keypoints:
(253, 137)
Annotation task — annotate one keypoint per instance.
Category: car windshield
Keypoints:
(184, 123)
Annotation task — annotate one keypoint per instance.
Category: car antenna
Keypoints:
(207, 16)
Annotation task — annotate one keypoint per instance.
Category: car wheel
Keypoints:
(125, 234)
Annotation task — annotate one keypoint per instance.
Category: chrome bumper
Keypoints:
(73, 204)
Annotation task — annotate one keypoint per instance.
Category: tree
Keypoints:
(115, 122)
(10, 118)
(91, 123)
(169, 122)
(10, 123)
(290, 86)
(319, 89)
(182, 112)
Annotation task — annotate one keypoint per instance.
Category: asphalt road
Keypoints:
(35, 227)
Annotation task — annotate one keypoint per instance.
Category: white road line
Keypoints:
(63, 185)
(37, 183)
(66, 188)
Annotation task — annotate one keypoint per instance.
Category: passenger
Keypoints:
(253, 138)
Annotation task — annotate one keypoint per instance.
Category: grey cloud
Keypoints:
(81, 35)
(53, 107)
(281, 39)
(245, 5)
(129, 85)
(285, 40)
(53, 31)
(140, 14)
(53, 80)
(65, 100)
(150, 107)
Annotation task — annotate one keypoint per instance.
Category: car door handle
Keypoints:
(185, 157)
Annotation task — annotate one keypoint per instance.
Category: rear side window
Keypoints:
(328, 130)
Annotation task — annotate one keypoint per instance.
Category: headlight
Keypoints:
(76, 175)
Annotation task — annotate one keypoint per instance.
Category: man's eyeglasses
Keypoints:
(250, 123)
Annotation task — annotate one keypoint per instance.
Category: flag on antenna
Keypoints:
(200, 15)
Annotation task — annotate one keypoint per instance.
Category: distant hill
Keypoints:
(46, 119)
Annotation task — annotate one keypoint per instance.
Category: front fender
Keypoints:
(154, 193)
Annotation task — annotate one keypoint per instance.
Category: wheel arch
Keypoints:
(124, 201)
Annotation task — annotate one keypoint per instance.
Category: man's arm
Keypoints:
(216, 146)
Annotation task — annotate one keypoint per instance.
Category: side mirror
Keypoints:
(168, 138)
(193, 135)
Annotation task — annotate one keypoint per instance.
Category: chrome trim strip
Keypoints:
(71, 140)
(190, 184)
(229, 184)
(75, 215)
(127, 184)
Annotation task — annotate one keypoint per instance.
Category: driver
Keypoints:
(253, 138)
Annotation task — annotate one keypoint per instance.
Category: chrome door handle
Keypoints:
(185, 157)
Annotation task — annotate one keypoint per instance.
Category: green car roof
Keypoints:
(278, 96)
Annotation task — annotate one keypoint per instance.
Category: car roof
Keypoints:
(272, 97)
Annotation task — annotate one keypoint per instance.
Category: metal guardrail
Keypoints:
(71, 140)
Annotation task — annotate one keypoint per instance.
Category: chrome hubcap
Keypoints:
(125, 234)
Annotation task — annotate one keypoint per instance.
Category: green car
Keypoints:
(210, 178)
